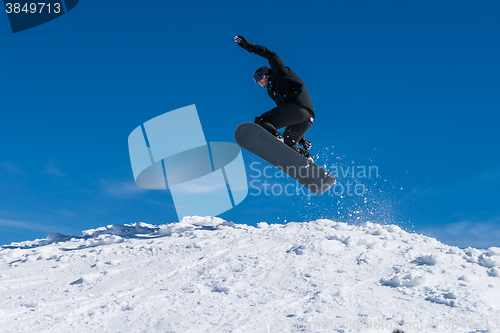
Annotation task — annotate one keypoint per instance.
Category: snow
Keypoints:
(205, 274)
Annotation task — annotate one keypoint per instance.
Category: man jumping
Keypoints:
(294, 109)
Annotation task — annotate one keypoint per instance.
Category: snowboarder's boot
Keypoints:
(303, 152)
(306, 144)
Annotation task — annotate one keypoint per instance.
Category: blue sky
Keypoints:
(408, 87)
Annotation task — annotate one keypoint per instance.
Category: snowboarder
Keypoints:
(294, 109)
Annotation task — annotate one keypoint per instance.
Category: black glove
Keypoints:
(243, 43)
(306, 144)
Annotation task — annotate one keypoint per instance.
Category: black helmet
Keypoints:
(264, 70)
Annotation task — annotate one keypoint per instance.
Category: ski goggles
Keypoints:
(257, 77)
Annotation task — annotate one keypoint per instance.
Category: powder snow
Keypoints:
(205, 274)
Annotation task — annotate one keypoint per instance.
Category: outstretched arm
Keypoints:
(276, 63)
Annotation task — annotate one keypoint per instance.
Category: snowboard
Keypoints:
(263, 144)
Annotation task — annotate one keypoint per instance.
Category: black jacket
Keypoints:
(284, 85)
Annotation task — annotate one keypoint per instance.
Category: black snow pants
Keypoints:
(296, 118)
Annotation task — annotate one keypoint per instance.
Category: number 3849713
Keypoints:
(33, 8)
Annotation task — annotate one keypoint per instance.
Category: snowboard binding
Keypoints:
(306, 144)
(303, 152)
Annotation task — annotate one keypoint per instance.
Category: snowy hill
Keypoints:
(209, 275)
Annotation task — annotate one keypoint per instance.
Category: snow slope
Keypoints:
(210, 275)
